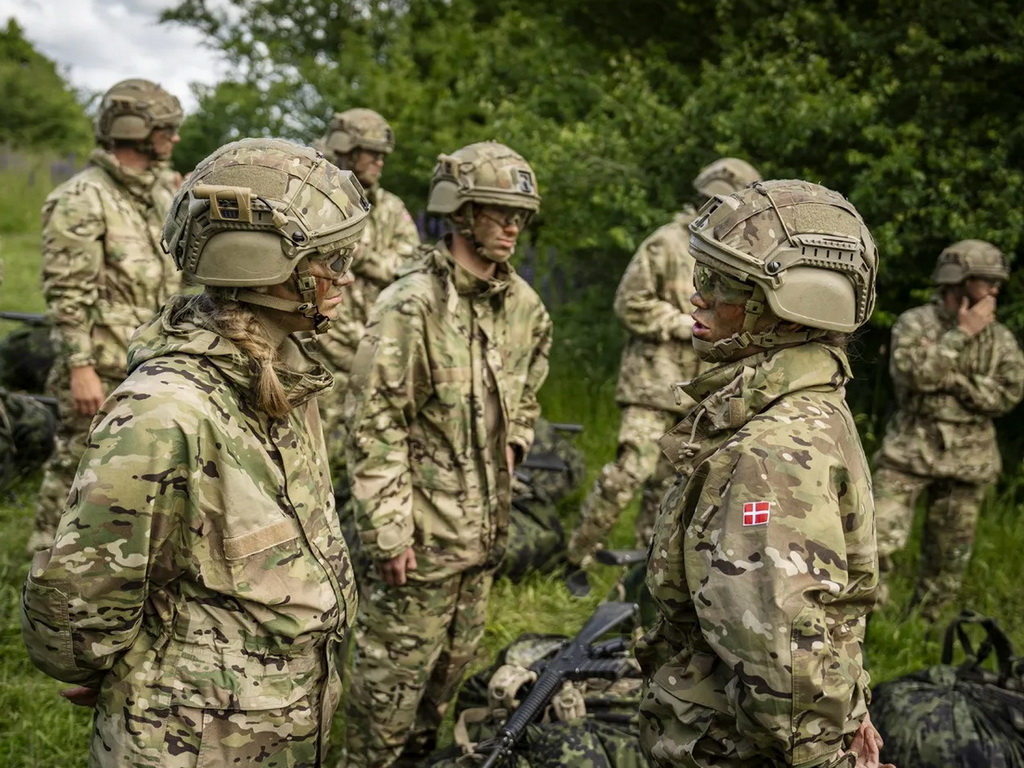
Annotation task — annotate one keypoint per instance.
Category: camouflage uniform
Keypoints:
(104, 273)
(763, 564)
(390, 237)
(949, 387)
(198, 576)
(653, 303)
(449, 370)
(756, 658)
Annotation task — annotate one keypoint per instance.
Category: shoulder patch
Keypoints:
(756, 512)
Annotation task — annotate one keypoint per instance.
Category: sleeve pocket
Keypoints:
(46, 628)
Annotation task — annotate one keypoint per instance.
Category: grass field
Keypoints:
(41, 730)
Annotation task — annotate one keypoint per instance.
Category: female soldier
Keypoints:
(763, 564)
(199, 583)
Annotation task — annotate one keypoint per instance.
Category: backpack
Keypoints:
(554, 468)
(964, 716)
(592, 723)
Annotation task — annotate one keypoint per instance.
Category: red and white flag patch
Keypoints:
(756, 512)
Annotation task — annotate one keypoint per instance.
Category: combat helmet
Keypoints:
(485, 173)
(967, 259)
(725, 176)
(800, 247)
(132, 109)
(258, 210)
(357, 129)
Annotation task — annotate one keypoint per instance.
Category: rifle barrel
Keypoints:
(32, 318)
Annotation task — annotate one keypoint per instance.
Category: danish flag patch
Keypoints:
(756, 512)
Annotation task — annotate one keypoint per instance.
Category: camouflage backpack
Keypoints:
(966, 716)
(536, 538)
(590, 723)
(27, 429)
(554, 468)
(26, 356)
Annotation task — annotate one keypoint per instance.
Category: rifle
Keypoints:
(550, 462)
(562, 426)
(31, 318)
(577, 660)
(577, 581)
(620, 556)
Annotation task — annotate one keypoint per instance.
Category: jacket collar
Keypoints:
(139, 183)
(731, 395)
(459, 281)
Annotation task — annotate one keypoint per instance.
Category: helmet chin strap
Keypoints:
(305, 284)
(739, 344)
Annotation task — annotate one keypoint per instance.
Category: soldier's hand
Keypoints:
(973, 320)
(86, 390)
(867, 744)
(510, 459)
(393, 571)
(81, 696)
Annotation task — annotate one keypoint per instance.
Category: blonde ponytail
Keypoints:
(217, 310)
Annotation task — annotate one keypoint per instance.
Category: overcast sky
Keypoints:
(99, 42)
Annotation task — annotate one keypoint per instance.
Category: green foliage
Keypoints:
(40, 110)
(908, 108)
(25, 181)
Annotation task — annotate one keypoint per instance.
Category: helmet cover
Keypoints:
(805, 246)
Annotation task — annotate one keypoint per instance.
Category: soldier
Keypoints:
(763, 563)
(441, 408)
(104, 272)
(358, 140)
(653, 303)
(199, 585)
(955, 368)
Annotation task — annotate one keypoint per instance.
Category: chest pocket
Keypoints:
(438, 463)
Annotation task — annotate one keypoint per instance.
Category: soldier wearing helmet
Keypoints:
(763, 563)
(441, 406)
(206, 571)
(955, 368)
(653, 304)
(104, 272)
(359, 140)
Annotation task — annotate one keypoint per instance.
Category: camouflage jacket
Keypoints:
(763, 564)
(199, 561)
(104, 271)
(949, 386)
(653, 303)
(425, 473)
(389, 239)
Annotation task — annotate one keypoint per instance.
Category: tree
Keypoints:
(40, 110)
(908, 107)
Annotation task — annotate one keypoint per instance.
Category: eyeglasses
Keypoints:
(712, 284)
(167, 131)
(505, 216)
(339, 262)
(374, 155)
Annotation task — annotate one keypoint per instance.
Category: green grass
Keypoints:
(41, 730)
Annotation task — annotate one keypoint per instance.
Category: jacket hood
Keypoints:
(176, 330)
